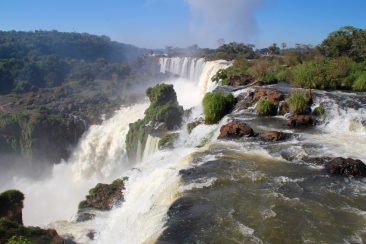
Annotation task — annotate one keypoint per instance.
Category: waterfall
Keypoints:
(152, 144)
(194, 69)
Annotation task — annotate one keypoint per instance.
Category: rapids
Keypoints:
(228, 191)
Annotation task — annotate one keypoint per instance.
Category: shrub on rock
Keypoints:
(11, 205)
(298, 102)
(216, 106)
(266, 107)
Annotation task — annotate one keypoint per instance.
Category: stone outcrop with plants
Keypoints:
(162, 116)
(39, 135)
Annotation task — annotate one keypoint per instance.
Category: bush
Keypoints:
(360, 83)
(297, 102)
(216, 106)
(319, 111)
(266, 107)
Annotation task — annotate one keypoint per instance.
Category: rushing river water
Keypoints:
(229, 191)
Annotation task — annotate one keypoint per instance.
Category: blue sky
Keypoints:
(158, 23)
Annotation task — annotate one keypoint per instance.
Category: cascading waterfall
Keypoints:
(152, 146)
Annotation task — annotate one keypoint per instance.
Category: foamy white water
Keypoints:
(99, 157)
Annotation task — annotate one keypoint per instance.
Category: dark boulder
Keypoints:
(301, 121)
(339, 166)
(235, 129)
(273, 136)
(346, 167)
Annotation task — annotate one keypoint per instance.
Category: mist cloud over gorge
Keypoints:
(232, 20)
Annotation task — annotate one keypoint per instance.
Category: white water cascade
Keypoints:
(152, 185)
(193, 77)
(152, 146)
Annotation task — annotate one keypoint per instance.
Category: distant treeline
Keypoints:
(32, 60)
(339, 62)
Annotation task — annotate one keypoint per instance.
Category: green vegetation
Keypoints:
(216, 106)
(13, 231)
(360, 83)
(339, 62)
(23, 132)
(32, 60)
(10, 200)
(18, 240)
(297, 102)
(266, 107)
(319, 111)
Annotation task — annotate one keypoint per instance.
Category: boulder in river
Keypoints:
(346, 167)
(271, 94)
(301, 120)
(339, 166)
(273, 136)
(235, 129)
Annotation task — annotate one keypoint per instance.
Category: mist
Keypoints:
(231, 20)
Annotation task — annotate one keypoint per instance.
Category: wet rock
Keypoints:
(194, 124)
(268, 93)
(301, 121)
(273, 136)
(339, 166)
(84, 216)
(102, 197)
(346, 167)
(283, 108)
(235, 129)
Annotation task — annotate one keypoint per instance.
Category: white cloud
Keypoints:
(233, 20)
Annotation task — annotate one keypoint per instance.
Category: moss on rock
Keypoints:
(266, 107)
(216, 105)
(164, 114)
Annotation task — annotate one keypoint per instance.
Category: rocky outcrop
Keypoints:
(301, 121)
(39, 136)
(249, 100)
(273, 136)
(102, 197)
(235, 129)
(11, 223)
(163, 115)
(11, 206)
(271, 94)
(339, 166)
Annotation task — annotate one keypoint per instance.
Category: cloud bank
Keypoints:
(232, 20)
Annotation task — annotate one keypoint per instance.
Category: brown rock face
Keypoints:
(301, 120)
(346, 167)
(269, 93)
(235, 129)
(273, 136)
(11, 206)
